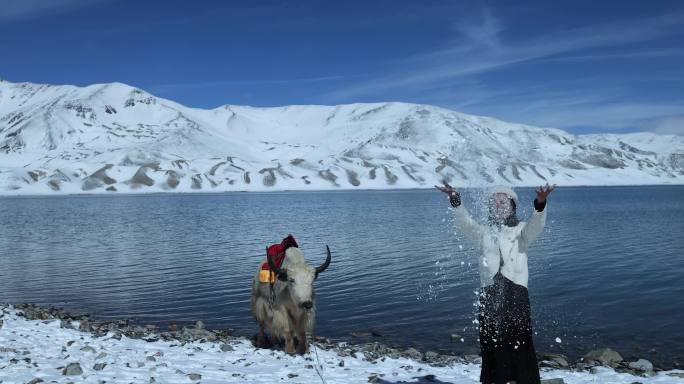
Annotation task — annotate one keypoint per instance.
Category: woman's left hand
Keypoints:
(543, 192)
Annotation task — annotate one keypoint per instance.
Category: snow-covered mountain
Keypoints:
(113, 137)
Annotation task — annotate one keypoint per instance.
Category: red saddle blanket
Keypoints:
(277, 253)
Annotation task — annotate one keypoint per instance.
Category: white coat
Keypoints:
(509, 243)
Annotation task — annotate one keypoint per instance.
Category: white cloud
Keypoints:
(485, 31)
(474, 55)
(669, 125)
(601, 108)
(451, 75)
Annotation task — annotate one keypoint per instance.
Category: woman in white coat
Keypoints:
(508, 354)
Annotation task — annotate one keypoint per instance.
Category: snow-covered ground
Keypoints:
(113, 138)
(43, 349)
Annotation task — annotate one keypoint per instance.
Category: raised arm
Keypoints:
(535, 225)
(464, 221)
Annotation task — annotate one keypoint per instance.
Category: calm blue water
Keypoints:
(607, 271)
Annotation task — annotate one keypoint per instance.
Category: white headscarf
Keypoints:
(506, 191)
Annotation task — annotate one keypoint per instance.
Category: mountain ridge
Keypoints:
(113, 137)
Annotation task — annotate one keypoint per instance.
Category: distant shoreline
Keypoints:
(214, 193)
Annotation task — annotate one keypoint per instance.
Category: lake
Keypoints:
(607, 271)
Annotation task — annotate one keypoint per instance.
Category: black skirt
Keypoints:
(506, 334)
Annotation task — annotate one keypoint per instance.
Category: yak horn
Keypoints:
(326, 263)
(272, 265)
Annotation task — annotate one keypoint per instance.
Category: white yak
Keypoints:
(287, 308)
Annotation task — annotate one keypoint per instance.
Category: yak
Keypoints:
(286, 307)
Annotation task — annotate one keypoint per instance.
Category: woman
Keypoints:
(508, 354)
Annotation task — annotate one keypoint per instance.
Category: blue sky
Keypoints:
(583, 66)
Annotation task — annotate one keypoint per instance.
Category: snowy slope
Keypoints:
(113, 137)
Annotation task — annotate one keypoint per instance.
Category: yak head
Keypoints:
(299, 276)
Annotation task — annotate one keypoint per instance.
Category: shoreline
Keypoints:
(594, 362)
(172, 192)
